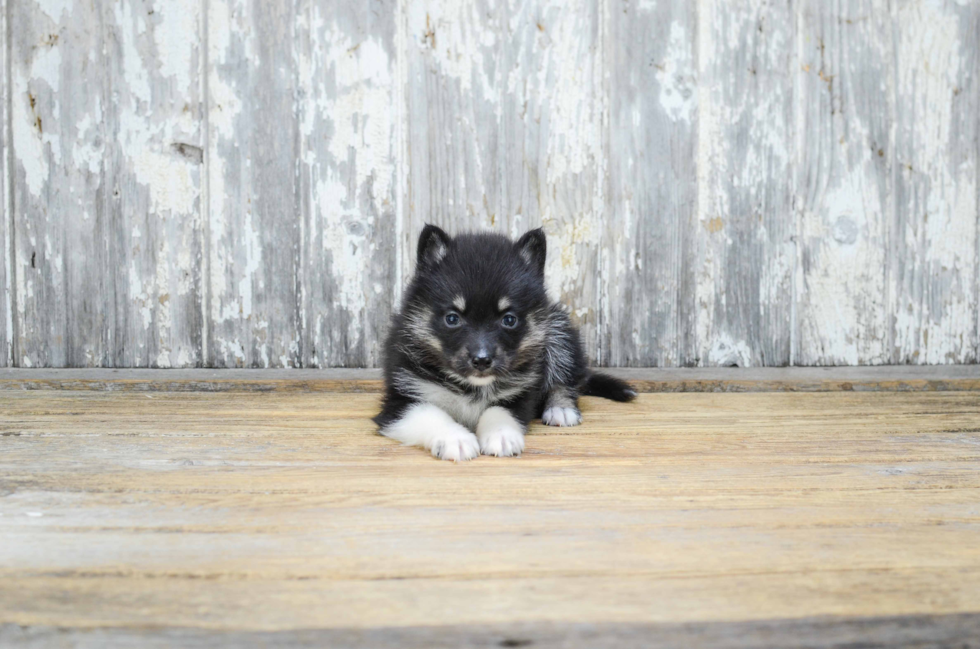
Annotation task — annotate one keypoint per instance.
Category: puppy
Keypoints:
(478, 350)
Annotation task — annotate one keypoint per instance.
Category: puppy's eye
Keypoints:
(452, 319)
(509, 321)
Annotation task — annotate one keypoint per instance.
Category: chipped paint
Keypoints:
(936, 300)
(720, 184)
(677, 75)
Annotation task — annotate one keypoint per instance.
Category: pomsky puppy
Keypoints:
(478, 350)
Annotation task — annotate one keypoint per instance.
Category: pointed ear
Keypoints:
(533, 247)
(433, 246)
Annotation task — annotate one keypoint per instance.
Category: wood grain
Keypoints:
(281, 511)
(254, 193)
(7, 222)
(236, 183)
(650, 243)
(348, 188)
(746, 127)
(903, 631)
(504, 132)
(936, 158)
(845, 183)
(153, 157)
(58, 86)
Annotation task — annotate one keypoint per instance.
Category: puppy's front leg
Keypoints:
(500, 433)
(425, 425)
(561, 407)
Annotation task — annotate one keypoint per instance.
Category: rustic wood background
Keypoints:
(239, 183)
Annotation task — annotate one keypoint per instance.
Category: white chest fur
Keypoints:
(464, 408)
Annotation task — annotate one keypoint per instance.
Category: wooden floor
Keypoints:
(195, 519)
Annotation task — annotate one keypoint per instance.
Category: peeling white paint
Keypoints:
(168, 178)
(177, 21)
(726, 352)
(936, 305)
(514, 112)
(677, 76)
(134, 68)
(453, 33)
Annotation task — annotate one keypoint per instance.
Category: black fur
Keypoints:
(540, 357)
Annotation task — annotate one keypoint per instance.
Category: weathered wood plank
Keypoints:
(278, 512)
(895, 632)
(935, 229)
(451, 125)
(153, 158)
(58, 97)
(745, 130)
(348, 111)
(504, 130)
(7, 222)
(844, 181)
(898, 378)
(649, 244)
(254, 160)
(551, 159)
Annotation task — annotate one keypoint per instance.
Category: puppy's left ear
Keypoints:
(533, 247)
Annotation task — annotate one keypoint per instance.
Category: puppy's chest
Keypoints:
(464, 408)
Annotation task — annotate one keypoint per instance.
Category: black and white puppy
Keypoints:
(478, 350)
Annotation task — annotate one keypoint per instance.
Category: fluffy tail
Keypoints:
(607, 387)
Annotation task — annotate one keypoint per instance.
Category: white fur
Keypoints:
(480, 380)
(503, 304)
(499, 433)
(464, 408)
(433, 429)
(460, 407)
(562, 416)
(459, 302)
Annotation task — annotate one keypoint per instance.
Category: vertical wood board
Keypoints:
(649, 243)
(745, 132)
(7, 222)
(348, 92)
(844, 182)
(153, 160)
(58, 98)
(504, 130)
(935, 228)
(254, 161)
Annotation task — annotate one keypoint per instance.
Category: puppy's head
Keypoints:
(476, 302)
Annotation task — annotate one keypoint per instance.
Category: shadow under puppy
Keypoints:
(478, 350)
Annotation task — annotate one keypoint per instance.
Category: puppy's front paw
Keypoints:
(499, 433)
(456, 445)
(504, 442)
(426, 425)
(562, 416)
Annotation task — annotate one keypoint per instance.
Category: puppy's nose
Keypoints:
(481, 361)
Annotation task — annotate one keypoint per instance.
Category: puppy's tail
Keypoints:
(602, 385)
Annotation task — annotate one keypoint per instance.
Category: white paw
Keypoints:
(559, 416)
(503, 442)
(456, 445)
(499, 433)
(426, 425)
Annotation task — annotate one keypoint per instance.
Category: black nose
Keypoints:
(481, 361)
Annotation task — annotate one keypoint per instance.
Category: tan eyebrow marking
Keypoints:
(503, 305)
(459, 302)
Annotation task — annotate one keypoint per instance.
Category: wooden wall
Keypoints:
(239, 183)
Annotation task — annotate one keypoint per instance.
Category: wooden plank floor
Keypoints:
(176, 518)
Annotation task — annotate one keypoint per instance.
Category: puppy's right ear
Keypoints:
(433, 246)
